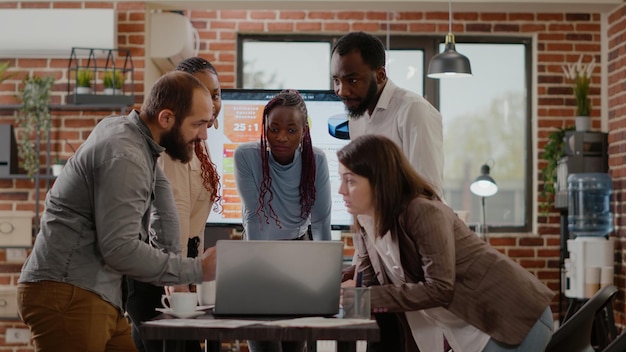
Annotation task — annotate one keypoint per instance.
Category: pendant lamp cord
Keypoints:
(449, 16)
(388, 24)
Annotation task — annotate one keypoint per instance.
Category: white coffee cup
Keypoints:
(180, 302)
(206, 293)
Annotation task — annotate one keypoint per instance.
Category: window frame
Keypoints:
(430, 46)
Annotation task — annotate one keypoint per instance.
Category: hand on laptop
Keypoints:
(208, 264)
(348, 273)
(348, 283)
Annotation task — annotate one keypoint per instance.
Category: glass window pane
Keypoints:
(406, 69)
(281, 65)
(485, 122)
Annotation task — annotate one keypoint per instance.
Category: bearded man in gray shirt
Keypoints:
(96, 223)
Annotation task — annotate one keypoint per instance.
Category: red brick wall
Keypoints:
(560, 38)
(616, 68)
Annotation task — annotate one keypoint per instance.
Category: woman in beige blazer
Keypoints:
(424, 264)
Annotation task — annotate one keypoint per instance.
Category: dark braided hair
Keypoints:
(196, 64)
(208, 170)
(288, 98)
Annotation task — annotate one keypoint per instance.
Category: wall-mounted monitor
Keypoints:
(240, 121)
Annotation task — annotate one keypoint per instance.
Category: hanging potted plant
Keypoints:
(33, 120)
(580, 75)
(83, 81)
(553, 151)
(113, 82)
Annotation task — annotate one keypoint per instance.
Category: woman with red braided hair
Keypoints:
(284, 184)
(195, 186)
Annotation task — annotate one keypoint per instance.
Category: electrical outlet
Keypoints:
(16, 255)
(14, 335)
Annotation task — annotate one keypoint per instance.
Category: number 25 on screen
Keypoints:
(243, 127)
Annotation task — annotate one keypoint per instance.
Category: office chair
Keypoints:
(617, 345)
(575, 334)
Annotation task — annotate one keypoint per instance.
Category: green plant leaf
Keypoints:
(4, 66)
(113, 79)
(553, 151)
(83, 78)
(33, 119)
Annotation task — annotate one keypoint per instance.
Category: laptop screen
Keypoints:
(294, 278)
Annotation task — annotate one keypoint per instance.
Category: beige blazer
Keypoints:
(193, 200)
(447, 265)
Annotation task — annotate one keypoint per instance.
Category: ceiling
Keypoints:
(570, 6)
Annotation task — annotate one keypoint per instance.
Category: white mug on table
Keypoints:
(206, 293)
(180, 302)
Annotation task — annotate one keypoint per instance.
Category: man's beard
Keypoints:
(175, 146)
(358, 112)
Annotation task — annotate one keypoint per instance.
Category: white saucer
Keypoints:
(180, 315)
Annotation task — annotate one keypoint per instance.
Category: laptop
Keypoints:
(278, 278)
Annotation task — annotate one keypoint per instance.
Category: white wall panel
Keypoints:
(51, 33)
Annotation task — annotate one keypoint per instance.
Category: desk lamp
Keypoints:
(484, 186)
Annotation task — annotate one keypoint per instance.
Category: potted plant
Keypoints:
(113, 82)
(580, 75)
(33, 120)
(83, 81)
(57, 166)
(553, 151)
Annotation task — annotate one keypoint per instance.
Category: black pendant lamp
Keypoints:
(449, 63)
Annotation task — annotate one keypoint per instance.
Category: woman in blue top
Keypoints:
(284, 185)
(283, 180)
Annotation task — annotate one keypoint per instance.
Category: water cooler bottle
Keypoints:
(591, 261)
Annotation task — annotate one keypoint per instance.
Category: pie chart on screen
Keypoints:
(338, 126)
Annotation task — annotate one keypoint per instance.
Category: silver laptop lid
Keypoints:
(296, 278)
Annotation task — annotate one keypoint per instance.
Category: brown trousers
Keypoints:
(63, 317)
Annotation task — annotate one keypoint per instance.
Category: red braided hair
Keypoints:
(208, 170)
(210, 178)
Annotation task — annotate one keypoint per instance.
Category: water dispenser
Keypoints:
(590, 263)
(589, 197)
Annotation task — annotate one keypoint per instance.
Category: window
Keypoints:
(486, 117)
(278, 65)
(486, 121)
